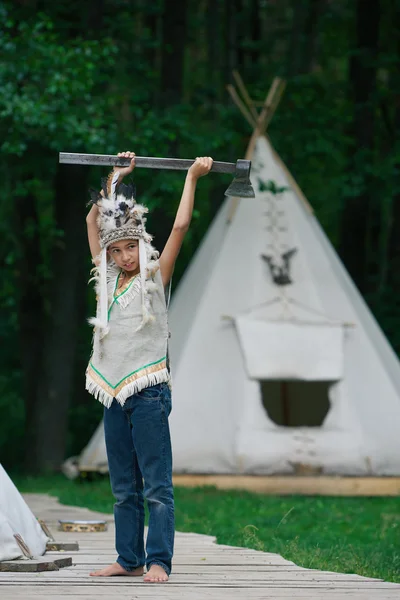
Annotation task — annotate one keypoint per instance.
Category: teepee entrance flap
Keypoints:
(290, 349)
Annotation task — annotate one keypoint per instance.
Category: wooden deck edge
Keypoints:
(288, 485)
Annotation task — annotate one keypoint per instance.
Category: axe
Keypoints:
(240, 186)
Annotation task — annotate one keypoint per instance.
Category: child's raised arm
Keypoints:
(93, 231)
(183, 217)
(91, 219)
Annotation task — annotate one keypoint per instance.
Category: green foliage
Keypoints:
(42, 77)
(347, 535)
(270, 186)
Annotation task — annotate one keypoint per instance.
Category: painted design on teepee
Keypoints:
(279, 256)
(280, 273)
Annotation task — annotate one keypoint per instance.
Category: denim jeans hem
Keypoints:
(127, 567)
(160, 564)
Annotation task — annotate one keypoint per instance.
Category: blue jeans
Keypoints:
(139, 448)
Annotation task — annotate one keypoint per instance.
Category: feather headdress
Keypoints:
(121, 218)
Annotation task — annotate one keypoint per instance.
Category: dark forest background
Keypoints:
(102, 76)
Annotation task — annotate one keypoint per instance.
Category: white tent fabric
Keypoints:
(17, 518)
(290, 350)
(218, 422)
(95, 453)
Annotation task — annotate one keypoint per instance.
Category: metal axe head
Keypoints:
(241, 185)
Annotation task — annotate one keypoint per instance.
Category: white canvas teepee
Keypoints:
(278, 365)
(281, 345)
(17, 519)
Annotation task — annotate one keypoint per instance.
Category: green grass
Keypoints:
(349, 535)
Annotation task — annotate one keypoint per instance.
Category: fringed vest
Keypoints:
(128, 358)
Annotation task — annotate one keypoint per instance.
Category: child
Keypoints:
(128, 370)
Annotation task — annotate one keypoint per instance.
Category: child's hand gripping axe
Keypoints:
(240, 186)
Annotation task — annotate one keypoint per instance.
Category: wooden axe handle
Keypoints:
(176, 164)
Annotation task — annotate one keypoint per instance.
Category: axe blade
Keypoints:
(241, 185)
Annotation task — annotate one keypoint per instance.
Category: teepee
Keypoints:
(20, 533)
(278, 366)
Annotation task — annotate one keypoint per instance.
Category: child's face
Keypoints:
(125, 254)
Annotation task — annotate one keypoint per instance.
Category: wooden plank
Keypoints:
(288, 485)
(180, 588)
(34, 565)
(206, 578)
(187, 581)
(61, 546)
(168, 591)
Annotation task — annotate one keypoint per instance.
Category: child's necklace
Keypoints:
(124, 281)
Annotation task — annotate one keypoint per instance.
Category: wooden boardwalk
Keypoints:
(201, 570)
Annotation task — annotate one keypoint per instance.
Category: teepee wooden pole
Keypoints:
(258, 125)
(241, 106)
(276, 98)
(262, 121)
(245, 94)
(267, 108)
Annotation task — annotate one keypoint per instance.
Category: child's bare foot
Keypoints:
(155, 574)
(116, 569)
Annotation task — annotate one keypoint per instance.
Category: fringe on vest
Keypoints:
(146, 380)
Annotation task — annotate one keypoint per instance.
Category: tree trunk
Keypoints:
(30, 308)
(304, 36)
(152, 53)
(94, 17)
(239, 29)
(174, 38)
(214, 56)
(49, 421)
(361, 214)
(255, 32)
(231, 49)
(296, 37)
(310, 38)
(393, 246)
